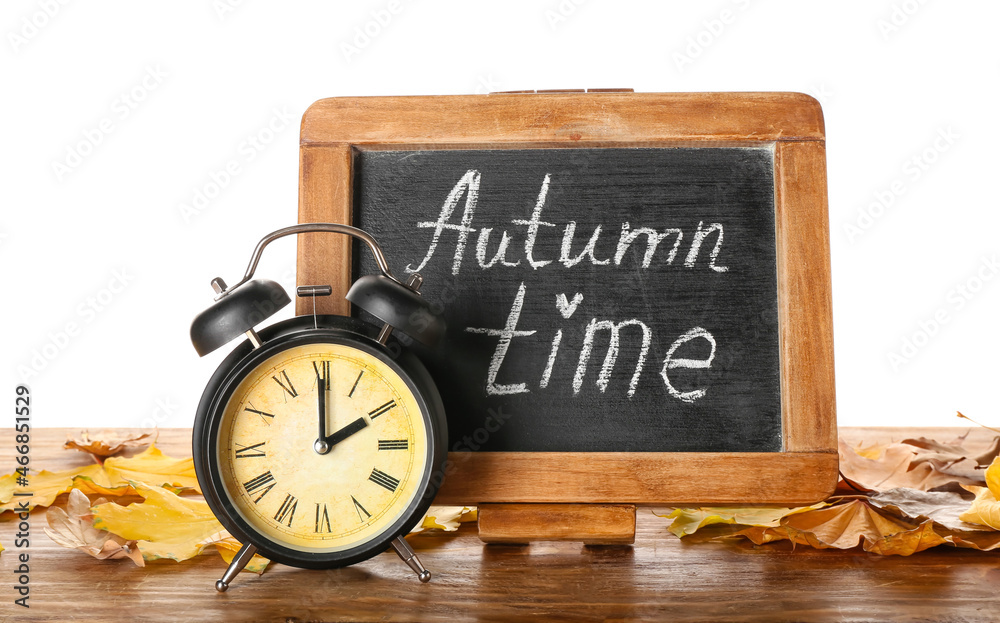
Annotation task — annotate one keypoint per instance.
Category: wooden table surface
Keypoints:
(660, 578)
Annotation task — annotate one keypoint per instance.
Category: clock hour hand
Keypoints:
(346, 432)
(322, 446)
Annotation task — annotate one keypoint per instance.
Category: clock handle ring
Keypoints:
(305, 228)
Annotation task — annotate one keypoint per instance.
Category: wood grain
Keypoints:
(325, 189)
(640, 477)
(593, 524)
(805, 303)
(590, 119)
(660, 578)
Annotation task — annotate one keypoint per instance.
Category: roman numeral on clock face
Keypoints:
(287, 509)
(393, 444)
(360, 509)
(263, 483)
(355, 386)
(322, 519)
(263, 414)
(383, 479)
(250, 452)
(381, 410)
(322, 369)
(290, 389)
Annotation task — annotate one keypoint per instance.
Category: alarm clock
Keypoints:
(318, 443)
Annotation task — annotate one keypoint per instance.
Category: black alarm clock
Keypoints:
(316, 444)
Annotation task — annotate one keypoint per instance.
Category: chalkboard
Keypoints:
(597, 299)
(735, 402)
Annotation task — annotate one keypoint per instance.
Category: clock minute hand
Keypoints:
(321, 446)
(346, 432)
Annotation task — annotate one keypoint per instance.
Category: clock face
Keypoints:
(287, 491)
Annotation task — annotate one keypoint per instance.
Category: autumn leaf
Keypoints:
(89, 487)
(107, 443)
(847, 525)
(228, 547)
(73, 528)
(1, 547)
(985, 509)
(900, 465)
(943, 507)
(151, 466)
(168, 526)
(154, 468)
(45, 486)
(952, 452)
(446, 518)
(165, 524)
(689, 520)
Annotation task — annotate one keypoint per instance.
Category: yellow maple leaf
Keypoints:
(690, 520)
(46, 486)
(154, 468)
(165, 524)
(169, 526)
(445, 518)
(87, 486)
(985, 509)
(229, 546)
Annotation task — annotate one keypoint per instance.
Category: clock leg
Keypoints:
(406, 552)
(242, 558)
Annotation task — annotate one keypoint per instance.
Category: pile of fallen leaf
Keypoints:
(898, 498)
(144, 507)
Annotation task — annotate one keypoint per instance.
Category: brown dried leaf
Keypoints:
(952, 452)
(842, 526)
(73, 528)
(900, 466)
(943, 507)
(107, 443)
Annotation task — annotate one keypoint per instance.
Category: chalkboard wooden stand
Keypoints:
(527, 493)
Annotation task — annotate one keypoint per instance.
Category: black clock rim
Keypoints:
(283, 336)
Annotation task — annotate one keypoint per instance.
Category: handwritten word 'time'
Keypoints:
(468, 187)
(506, 335)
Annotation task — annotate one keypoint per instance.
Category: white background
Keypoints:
(102, 247)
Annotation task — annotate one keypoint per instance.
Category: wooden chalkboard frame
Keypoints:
(805, 471)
